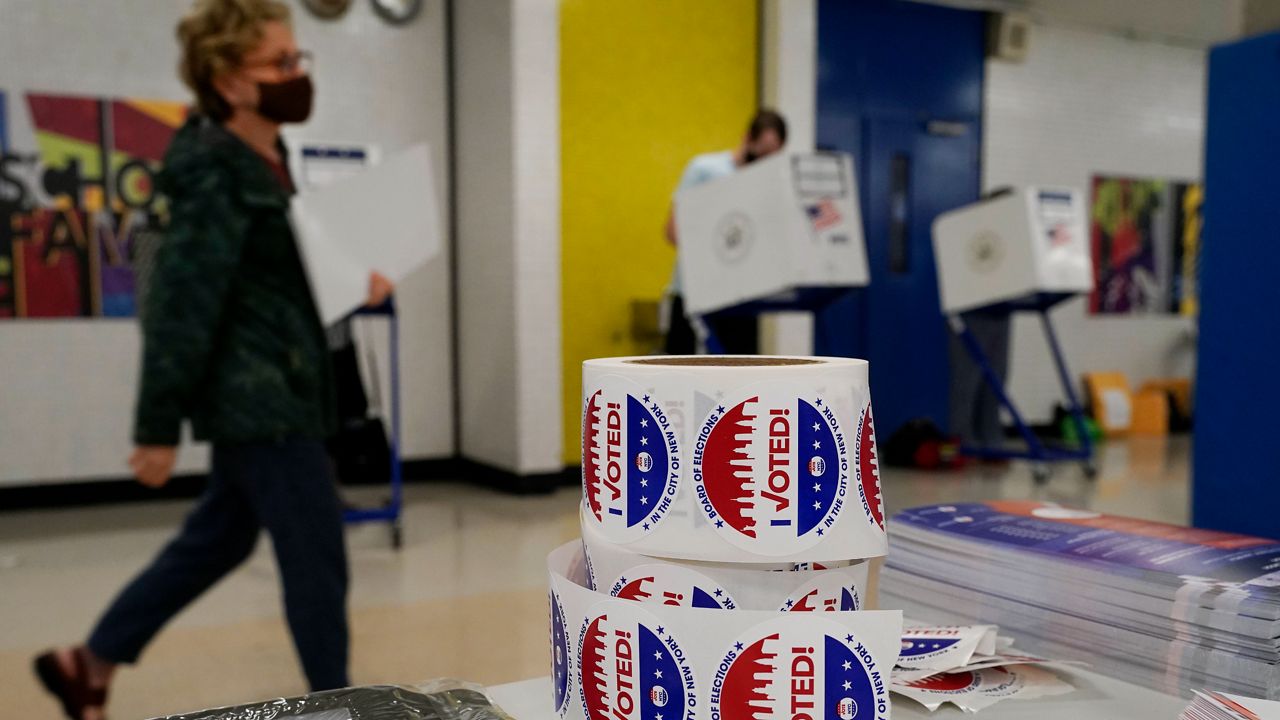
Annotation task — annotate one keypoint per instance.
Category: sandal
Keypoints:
(72, 691)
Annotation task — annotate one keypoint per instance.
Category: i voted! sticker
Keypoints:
(952, 683)
(632, 668)
(869, 469)
(771, 471)
(672, 585)
(801, 669)
(831, 591)
(561, 667)
(630, 462)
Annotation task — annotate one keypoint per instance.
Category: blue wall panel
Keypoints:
(1236, 481)
(886, 68)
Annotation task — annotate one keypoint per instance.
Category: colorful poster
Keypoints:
(1146, 240)
(50, 256)
(72, 211)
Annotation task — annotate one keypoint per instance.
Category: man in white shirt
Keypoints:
(766, 135)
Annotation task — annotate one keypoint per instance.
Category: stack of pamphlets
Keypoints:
(1167, 607)
(1220, 706)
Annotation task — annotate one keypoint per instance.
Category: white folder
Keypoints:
(383, 219)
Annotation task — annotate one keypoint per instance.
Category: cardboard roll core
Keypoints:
(725, 361)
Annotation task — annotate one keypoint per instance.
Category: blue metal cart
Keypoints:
(1040, 453)
(391, 511)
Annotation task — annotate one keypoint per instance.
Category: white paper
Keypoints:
(1222, 706)
(1264, 709)
(1117, 408)
(321, 165)
(384, 219)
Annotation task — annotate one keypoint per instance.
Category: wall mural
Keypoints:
(1146, 246)
(77, 210)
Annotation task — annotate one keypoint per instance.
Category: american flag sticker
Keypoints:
(824, 214)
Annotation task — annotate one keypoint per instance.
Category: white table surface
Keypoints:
(1096, 698)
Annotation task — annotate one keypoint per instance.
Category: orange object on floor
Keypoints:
(1111, 401)
(1150, 413)
(1180, 388)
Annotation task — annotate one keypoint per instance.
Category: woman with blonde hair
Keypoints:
(232, 342)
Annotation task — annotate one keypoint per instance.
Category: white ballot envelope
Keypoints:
(383, 219)
(782, 224)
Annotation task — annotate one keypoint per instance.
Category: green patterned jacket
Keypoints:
(231, 337)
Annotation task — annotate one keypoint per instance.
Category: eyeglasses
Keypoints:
(289, 63)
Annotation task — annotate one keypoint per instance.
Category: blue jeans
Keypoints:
(286, 487)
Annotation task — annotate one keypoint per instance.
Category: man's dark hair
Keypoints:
(767, 119)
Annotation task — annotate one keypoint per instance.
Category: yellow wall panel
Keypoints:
(644, 86)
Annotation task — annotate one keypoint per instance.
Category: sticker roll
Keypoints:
(782, 587)
(619, 659)
(732, 458)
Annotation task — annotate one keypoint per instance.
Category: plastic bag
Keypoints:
(439, 700)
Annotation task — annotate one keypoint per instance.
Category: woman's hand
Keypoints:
(153, 464)
(380, 288)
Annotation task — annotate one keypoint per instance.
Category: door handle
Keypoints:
(899, 214)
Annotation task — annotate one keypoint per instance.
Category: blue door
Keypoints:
(900, 87)
(915, 171)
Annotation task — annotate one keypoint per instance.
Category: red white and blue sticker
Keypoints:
(922, 649)
(869, 469)
(630, 463)
(674, 585)
(590, 564)
(561, 667)
(801, 566)
(792, 668)
(771, 471)
(632, 668)
(945, 647)
(831, 591)
(952, 683)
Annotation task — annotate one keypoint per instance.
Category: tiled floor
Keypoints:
(464, 598)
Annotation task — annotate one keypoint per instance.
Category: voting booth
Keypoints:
(1030, 241)
(770, 231)
(1023, 250)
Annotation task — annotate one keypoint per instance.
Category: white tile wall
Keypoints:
(789, 53)
(507, 83)
(1197, 23)
(1084, 103)
(66, 400)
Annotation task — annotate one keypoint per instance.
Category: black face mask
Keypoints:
(288, 101)
(749, 157)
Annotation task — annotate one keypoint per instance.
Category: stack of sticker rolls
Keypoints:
(730, 507)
